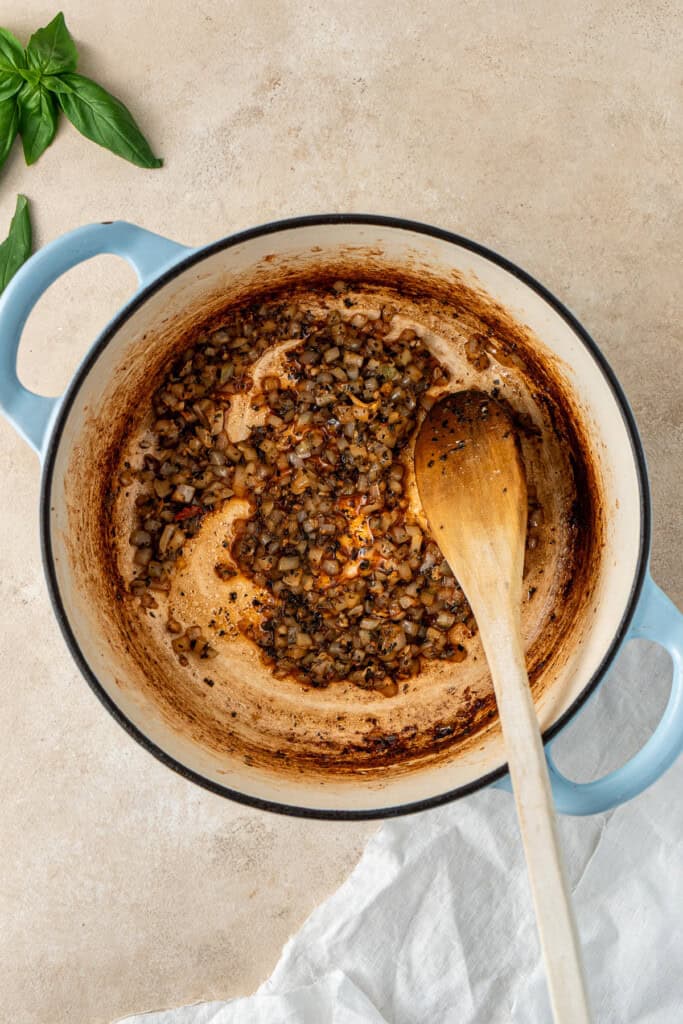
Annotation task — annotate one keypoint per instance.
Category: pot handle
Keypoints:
(656, 619)
(147, 253)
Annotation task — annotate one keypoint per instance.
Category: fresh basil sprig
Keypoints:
(16, 248)
(37, 81)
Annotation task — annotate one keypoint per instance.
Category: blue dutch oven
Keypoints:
(71, 436)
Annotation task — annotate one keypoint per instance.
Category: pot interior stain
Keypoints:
(232, 705)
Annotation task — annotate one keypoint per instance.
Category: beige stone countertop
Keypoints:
(549, 132)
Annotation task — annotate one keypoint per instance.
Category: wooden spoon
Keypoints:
(473, 490)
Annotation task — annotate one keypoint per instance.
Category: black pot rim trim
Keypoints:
(274, 227)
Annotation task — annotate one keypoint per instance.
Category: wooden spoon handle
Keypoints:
(538, 826)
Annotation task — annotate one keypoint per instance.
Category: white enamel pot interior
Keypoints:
(191, 281)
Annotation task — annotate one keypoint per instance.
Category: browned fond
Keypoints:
(341, 731)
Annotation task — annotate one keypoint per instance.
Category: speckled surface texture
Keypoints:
(549, 132)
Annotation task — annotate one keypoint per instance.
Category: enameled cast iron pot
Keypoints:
(626, 603)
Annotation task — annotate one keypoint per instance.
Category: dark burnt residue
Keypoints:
(345, 749)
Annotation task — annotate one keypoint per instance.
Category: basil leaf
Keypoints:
(102, 118)
(9, 126)
(16, 248)
(37, 120)
(51, 49)
(10, 84)
(11, 52)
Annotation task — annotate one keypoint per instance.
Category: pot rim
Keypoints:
(273, 227)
